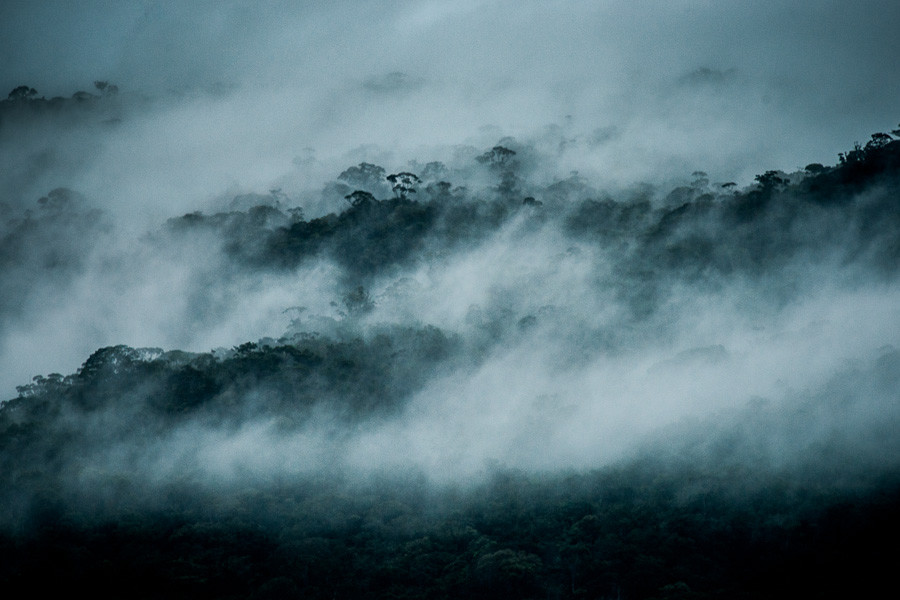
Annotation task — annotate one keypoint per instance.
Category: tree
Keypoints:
(359, 198)
(500, 159)
(111, 360)
(364, 176)
(435, 171)
(853, 156)
(771, 180)
(879, 140)
(497, 157)
(23, 92)
(402, 183)
(439, 190)
(106, 89)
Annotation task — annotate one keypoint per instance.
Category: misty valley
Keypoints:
(468, 377)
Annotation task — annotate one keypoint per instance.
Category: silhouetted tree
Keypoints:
(23, 92)
(359, 198)
(852, 156)
(770, 181)
(106, 89)
(879, 140)
(402, 183)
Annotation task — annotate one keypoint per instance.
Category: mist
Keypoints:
(650, 91)
(621, 285)
(410, 299)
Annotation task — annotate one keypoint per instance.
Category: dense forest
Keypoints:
(562, 431)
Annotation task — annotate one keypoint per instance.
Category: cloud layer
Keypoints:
(633, 293)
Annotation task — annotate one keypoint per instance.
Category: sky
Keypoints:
(729, 88)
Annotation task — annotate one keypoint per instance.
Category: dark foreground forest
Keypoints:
(357, 456)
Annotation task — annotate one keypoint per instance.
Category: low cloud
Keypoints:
(572, 281)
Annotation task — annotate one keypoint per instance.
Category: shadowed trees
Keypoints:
(695, 526)
(364, 176)
(106, 89)
(402, 184)
(359, 198)
(501, 160)
(23, 92)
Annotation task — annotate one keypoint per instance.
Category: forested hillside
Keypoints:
(489, 383)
